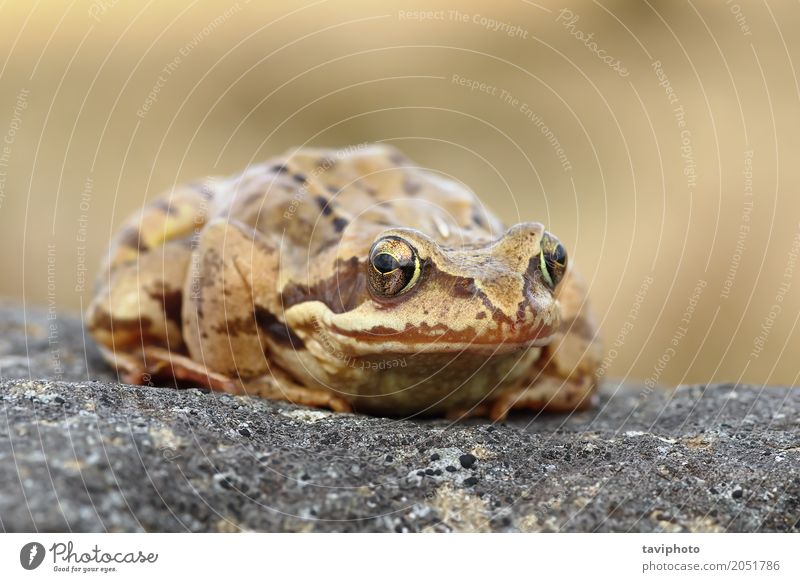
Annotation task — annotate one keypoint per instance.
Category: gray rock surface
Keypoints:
(81, 452)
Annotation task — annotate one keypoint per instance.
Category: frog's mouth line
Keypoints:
(439, 339)
(365, 335)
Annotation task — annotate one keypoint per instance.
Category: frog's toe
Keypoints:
(548, 393)
(156, 365)
(315, 398)
(161, 363)
(130, 370)
(277, 385)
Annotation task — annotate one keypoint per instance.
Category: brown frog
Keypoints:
(348, 279)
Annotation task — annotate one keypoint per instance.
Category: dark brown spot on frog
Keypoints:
(478, 220)
(464, 287)
(211, 268)
(234, 327)
(277, 330)
(481, 315)
(130, 333)
(171, 303)
(339, 223)
(411, 187)
(323, 204)
(279, 168)
(346, 289)
(131, 237)
(332, 189)
(300, 178)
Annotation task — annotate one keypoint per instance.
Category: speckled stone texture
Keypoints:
(80, 452)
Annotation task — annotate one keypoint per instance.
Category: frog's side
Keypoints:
(348, 279)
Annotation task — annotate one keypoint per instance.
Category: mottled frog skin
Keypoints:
(349, 279)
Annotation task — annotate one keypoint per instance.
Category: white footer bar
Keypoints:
(400, 557)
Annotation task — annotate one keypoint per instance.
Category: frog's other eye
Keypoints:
(394, 267)
(552, 260)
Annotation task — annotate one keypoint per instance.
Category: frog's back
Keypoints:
(308, 197)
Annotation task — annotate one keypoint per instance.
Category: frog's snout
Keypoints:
(529, 249)
(519, 244)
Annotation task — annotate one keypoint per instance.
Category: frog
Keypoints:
(347, 279)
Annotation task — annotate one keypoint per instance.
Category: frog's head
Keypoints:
(410, 324)
(420, 296)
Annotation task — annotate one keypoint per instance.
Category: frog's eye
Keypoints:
(394, 267)
(552, 260)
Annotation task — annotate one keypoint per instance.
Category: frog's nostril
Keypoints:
(526, 234)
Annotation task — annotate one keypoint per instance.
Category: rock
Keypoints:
(81, 452)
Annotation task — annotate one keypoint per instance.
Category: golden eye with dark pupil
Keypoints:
(394, 267)
(385, 263)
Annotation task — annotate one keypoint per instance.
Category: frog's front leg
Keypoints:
(230, 315)
(564, 377)
(545, 392)
(136, 319)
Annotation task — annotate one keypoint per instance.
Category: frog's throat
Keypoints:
(363, 334)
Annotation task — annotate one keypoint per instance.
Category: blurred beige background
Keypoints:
(659, 140)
